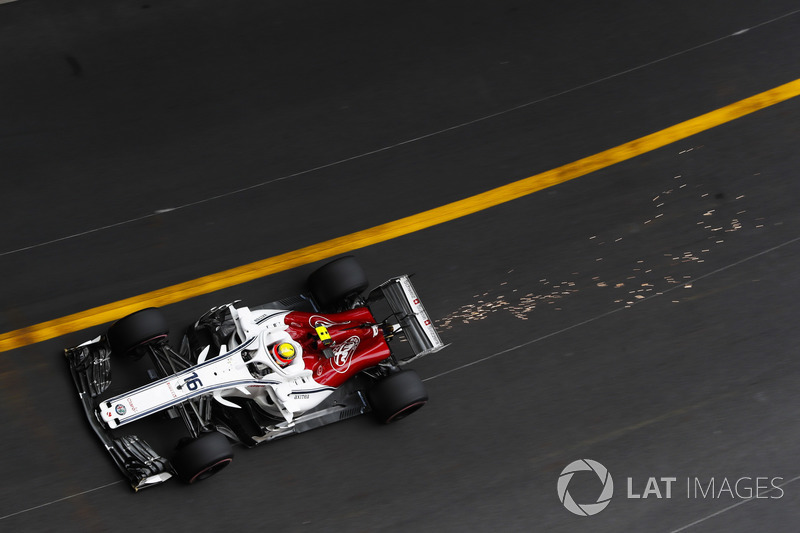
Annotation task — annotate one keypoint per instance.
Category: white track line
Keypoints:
(61, 499)
(613, 311)
(487, 358)
(495, 354)
(508, 350)
(401, 143)
(726, 509)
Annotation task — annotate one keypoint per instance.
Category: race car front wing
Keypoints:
(91, 371)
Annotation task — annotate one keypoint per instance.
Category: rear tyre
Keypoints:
(397, 396)
(333, 284)
(138, 329)
(202, 457)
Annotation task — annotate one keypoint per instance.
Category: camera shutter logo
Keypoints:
(585, 509)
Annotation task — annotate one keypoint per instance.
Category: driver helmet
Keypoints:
(284, 353)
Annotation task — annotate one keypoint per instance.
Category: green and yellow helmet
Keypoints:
(284, 353)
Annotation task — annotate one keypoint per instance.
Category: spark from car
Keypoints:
(644, 274)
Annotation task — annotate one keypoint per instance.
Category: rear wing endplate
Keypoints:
(411, 314)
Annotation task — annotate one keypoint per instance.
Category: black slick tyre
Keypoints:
(137, 329)
(202, 457)
(335, 282)
(397, 396)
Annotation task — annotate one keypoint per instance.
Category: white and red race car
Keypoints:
(253, 374)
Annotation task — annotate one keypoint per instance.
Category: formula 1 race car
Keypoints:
(254, 374)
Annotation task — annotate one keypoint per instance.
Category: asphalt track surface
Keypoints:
(643, 316)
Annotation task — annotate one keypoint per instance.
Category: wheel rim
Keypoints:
(405, 411)
(211, 470)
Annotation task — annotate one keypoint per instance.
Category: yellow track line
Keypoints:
(390, 230)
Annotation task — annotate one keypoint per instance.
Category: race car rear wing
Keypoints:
(411, 315)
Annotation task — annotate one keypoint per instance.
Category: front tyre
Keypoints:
(397, 396)
(138, 329)
(202, 457)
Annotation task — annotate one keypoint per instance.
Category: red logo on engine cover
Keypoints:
(343, 354)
